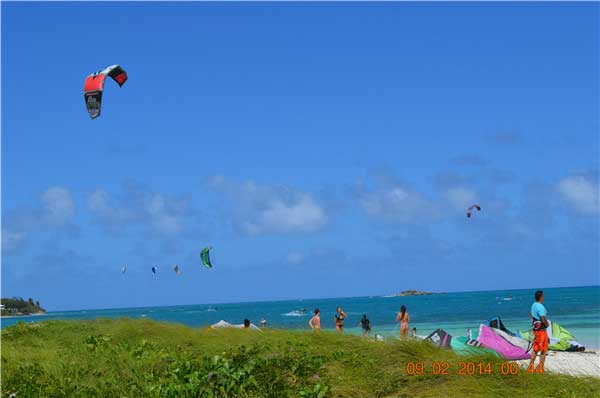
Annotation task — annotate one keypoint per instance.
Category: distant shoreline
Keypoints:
(409, 293)
(412, 293)
(22, 315)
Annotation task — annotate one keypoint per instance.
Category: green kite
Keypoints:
(205, 257)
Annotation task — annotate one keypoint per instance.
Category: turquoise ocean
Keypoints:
(576, 308)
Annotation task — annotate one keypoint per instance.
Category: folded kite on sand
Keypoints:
(560, 338)
(440, 338)
(465, 346)
(507, 346)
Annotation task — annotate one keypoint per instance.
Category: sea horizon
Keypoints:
(576, 308)
(383, 295)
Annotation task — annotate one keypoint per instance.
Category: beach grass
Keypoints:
(143, 358)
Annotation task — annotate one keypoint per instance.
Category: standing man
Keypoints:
(539, 324)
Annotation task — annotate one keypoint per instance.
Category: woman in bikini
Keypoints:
(404, 320)
(338, 318)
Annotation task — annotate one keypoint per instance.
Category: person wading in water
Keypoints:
(338, 318)
(404, 320)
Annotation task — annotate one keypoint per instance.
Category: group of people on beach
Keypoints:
(537, 314)
(365, 323)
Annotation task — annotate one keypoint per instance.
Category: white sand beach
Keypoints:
(571, 363)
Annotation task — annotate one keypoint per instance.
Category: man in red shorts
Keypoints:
(539, 323)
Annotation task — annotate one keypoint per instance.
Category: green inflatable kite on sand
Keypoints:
(560, 339)
(464, 346)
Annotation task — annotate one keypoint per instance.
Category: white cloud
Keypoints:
(56, 212)
(161, 213)
(581, 193)
(99, 202)
(299, 215)
(58, 207)
(460, 197)
(11, 240)
(261, 209)
(398, 203)
(163, 220)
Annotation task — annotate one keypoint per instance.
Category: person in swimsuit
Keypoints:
(315, 321)
(338, 318)
(365, 323)
(404, 320)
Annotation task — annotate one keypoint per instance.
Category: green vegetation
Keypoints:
(18, 306)
(143, 358)
(414, 293)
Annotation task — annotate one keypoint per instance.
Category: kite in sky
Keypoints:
(205, 257)
(471, 208)
(177, 270)
(94, 85)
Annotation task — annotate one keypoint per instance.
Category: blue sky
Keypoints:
(322, 149)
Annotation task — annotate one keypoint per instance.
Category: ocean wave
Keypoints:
(295, 313)
(200, 311)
